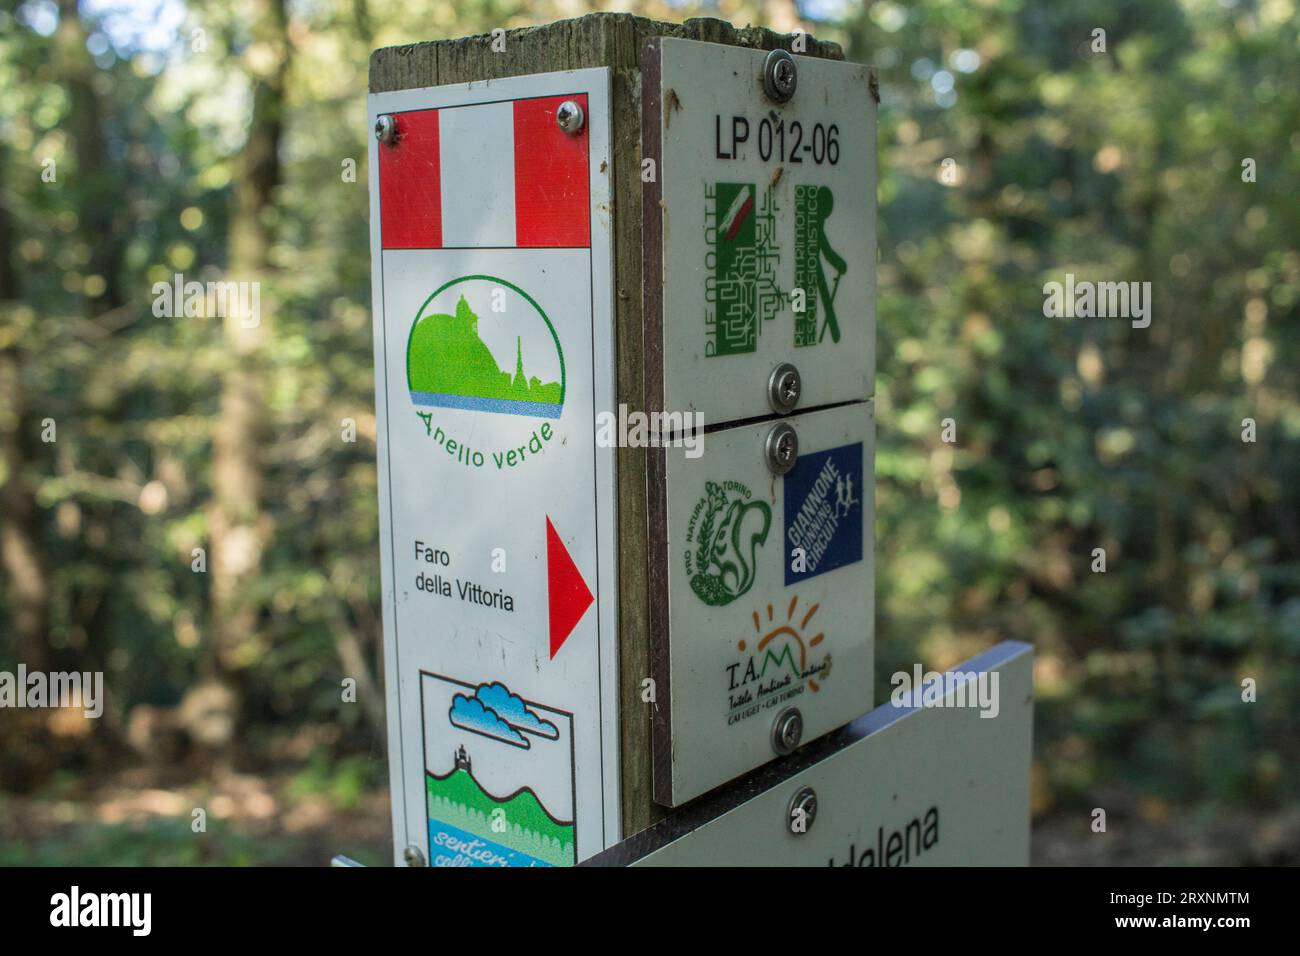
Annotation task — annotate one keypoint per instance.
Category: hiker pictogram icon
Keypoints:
(813, 253)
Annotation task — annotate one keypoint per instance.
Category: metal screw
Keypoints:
(783, 388)
(782, 448)
(569, 117)
(413, 856)
(804, 800)
(780, 76)
(386, 130)
(787, 731)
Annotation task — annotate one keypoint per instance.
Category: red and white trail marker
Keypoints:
(491, 175)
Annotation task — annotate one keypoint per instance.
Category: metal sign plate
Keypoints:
(938, 785)
(768, 596)
(491, 258)
(761, 229)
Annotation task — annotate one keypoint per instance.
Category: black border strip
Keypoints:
(652, 306)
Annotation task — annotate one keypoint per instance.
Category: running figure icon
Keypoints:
(844, 495)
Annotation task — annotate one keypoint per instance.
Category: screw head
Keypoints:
(781, 448)
(569, 117)
(787, 731)
(802, 811)
(784, 388)
(386, 130)
(413, 856)
(780, 76)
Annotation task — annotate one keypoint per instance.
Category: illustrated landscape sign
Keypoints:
(760, 252)
(493, 342)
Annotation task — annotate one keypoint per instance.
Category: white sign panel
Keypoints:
(769, 594)
(945, 783)
(491, 260)
(768, 228)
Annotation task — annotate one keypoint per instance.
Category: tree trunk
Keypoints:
(235, 515)
(22, 547)
(94, 187)
(94, 184)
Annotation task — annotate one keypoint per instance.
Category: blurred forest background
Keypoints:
(214, 139)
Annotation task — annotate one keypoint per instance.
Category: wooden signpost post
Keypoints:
(589, 628)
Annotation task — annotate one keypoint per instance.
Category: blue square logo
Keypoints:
(823, 512)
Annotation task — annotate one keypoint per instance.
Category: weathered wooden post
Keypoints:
(624, 283)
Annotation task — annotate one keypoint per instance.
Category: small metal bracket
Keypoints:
(802, 811)
(784, 388)
(780, 76)
(781, 448)
(569, 117)
(414, 856)
(787, 731)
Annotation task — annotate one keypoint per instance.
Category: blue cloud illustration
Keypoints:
(512, 709)
(468, 713)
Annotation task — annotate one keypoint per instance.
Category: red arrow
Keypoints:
(566, 591)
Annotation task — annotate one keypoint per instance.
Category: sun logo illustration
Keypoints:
(777, 643)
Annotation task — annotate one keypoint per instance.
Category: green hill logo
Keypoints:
(483, 344)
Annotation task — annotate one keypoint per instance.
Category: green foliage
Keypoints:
(1072, 434)
(160, 842)
(1075, 434)
(341, 780)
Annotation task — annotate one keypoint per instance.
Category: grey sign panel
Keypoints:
(760, 229)
(762, 605)
(943, 781)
